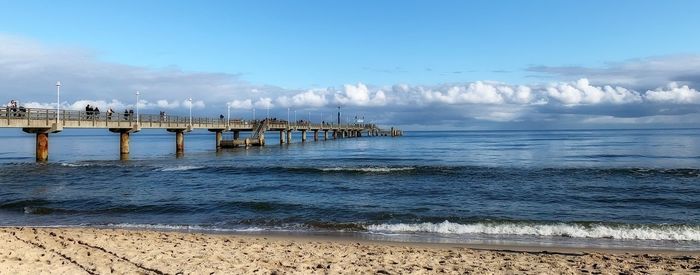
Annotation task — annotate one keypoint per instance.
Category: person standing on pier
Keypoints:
(109, 113)
(88, 111)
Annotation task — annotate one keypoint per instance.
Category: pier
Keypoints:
(43, 122)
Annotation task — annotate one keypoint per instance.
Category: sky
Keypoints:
(417, 64)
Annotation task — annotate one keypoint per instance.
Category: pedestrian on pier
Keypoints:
(96, 111)
(88, 111)
(126, 114)
(109, 113)
(221, 117)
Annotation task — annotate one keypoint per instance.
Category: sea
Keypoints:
(565, 188)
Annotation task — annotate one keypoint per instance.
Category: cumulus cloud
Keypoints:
(360, 95)
(674, 93)
(582, 92)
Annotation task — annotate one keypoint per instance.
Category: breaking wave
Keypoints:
(367, 169)
(574, 230)
(181, 227)
(179, 168)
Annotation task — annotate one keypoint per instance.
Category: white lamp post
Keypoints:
(190, 100)
(228, 115)
(253, 113)
(58, 102)
(287, 115)
(137, 106)
(295, 116)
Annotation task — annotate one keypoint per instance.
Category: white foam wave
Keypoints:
(179, 168)
(182, 227)
(622, 232)
(75, 164)
(368, 169)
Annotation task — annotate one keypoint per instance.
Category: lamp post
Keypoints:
(253, 113)
(228, 115)
(295, 116)
(137, 106)
(287, 115)
(58, 102)
(190, 100)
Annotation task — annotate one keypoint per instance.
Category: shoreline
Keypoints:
(102, 250)
(363, 237)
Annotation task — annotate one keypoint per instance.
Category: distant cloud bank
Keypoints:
(657, 91)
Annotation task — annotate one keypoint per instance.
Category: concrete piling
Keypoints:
(179, 142)
(289, 136)
(315, 135)
(124, 143)
(325, 134)
(42, 146)
(303, 135)
(281, 137)
(219, 137)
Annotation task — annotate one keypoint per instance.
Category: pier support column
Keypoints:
(325, 134)
(359, 133)
(303, 135)
(289, 136)
(42, 147)
(179, 142)
(124, 144)
(42, 142)
(281, 137)
(335, 134)
(315, 135)
(124, 134)
(219, 136)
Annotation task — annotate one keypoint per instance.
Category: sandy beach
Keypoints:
(105, 251)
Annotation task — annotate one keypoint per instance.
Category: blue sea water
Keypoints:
(604, 188)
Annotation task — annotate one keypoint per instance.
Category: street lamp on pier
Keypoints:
(58, 102)
(137, 106)
(228, 115)
(190, 100)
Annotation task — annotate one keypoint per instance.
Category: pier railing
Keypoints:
(42, 118)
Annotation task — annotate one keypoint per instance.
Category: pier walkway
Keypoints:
(44, 121)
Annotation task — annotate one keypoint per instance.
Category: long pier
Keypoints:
(44, 121)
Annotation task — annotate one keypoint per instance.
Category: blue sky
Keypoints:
(285, 48)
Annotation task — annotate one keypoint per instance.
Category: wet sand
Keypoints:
(28, 250)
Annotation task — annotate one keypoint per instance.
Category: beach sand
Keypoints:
(103, 251)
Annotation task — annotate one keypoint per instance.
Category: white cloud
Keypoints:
(582, 92)
(674, 94)
(309, 98)
(360, 95)
(241, 104)
(264, 103)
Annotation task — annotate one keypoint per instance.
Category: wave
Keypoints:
(573, 230)
(367, 169)
(182, 227)
(179, 168)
